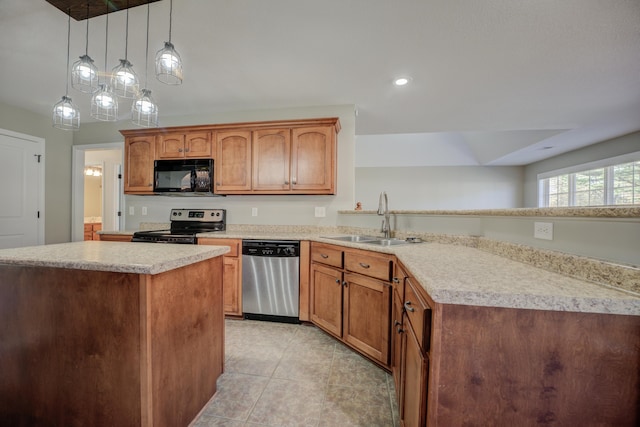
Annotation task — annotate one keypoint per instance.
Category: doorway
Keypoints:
(107, 158)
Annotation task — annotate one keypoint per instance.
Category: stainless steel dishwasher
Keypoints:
(271, 280)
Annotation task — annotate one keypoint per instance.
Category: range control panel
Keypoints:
(199, 215)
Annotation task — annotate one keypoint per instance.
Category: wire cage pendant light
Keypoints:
(124, 79)
(66, 115)
(144, 111)
(104, 104)
(168, 61)
(84, 73)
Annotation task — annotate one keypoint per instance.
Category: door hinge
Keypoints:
(38, 214)
(38, 156)
(119, 213)
(119, 176)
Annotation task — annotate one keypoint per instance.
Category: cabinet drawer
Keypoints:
(326, 254)
(419, 314)
(369, 264)
(234, 244)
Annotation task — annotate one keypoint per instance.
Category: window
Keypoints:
(610, 185)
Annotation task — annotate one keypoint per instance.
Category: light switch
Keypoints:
(254, 211)
(320, 212)
(132, 210)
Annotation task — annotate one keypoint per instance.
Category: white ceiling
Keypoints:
(503, 79)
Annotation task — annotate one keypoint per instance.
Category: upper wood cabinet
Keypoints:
(275, 157)
(181, 145)
(271, 159)
(139, 155)
(232, 164)
(313, 160)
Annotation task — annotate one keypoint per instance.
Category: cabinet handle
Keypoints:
(325, 256)
(363, 265)
(344, 284)
(407, 306)
(399, 329)
(286, 182)
(179, 150)
(218, 184)
(149, 185)
(338, 281)
(396, 323)
(294, 181)
(396, 280)
(186, 150)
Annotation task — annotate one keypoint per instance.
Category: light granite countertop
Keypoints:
(121, 257)
(456, 274)
(461, 273)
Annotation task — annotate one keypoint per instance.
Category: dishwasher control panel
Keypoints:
(271, 248)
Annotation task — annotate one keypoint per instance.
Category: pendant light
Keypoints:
(84, 74)
(144, 111)
(104, 104)
(66, 115)
(123, 79)
(168, 62)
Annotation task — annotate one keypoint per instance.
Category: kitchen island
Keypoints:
(105, 333)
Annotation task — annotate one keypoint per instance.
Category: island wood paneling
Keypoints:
(81, 348)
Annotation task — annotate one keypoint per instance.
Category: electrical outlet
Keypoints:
(320, 212)
(144, 210)
(132, 210)
(543, 230)
(254, 211)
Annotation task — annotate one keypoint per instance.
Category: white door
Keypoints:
(21, 171)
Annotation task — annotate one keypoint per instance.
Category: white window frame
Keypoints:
(607, 164)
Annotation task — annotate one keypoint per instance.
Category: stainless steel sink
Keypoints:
(353, 238)
(387, 242)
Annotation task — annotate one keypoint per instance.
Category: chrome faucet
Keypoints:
(383, 209)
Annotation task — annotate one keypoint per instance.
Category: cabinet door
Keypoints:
(367, 306)
(397, 336)
(233, 162)
(326, 298)
(413, 406)
(313, 160)
(170, 146)
(198, 145)
(232, 286)
(271, 154)
(139, 155)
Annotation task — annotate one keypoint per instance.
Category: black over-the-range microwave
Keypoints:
(187, 176)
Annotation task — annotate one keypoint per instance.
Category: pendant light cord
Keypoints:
(126, 34)
(86, 50)
(170, 17)
(68, 48)
(146, 52)
(106, 43)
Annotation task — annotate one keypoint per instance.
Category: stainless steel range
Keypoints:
(185, 224)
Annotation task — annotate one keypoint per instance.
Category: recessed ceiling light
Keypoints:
(402, 81)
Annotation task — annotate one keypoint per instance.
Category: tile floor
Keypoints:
(279, 374)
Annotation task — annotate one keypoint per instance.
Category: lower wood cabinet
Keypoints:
(351, 306)
(232, 271)
(413, 357)
(91, 230)
(116, 237)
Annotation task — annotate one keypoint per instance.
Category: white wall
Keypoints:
(444, 187)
